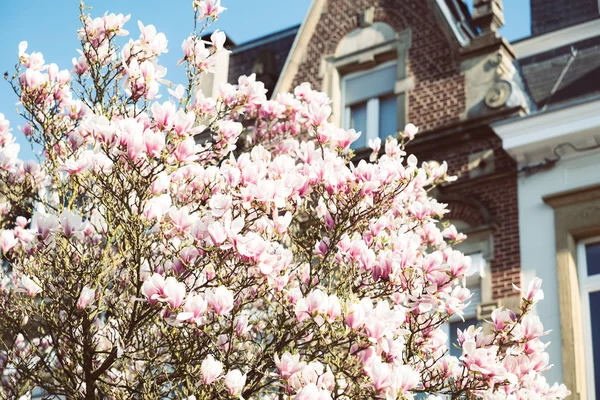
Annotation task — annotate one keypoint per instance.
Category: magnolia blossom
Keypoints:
(288, 364)
(29, 286)
(7, 240)
(161, 245)
(211, 370)
(209, 8)
(235, 381)
(220, 300)
(86, 298)
(194, 308)
(410, 131)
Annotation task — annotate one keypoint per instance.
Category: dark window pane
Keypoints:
(595, 322)
(358, 122)
(592, 256)
(387, 117)
(457, 352)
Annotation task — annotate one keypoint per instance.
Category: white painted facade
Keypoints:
(536, 226)
(529, 140)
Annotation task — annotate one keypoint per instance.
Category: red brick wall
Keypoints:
(437, 100)
(439, 94)
(497, 193)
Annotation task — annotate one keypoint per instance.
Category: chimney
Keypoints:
(488, 16)
(550, 15)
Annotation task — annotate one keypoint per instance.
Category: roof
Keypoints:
(563, 74)
(264, 56)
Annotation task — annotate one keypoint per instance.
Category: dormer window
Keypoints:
(367, 80)
(369, 103)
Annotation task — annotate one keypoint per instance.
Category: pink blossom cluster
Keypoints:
(230, 247)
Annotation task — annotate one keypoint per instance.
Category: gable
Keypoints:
(438, 88)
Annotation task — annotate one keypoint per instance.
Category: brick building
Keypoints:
(518, 123)
(388, 62)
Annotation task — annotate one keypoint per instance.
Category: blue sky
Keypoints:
(51, 29)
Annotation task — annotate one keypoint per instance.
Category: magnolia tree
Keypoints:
(260, 263)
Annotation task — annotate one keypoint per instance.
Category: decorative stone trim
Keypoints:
(576, 217)
(334, 67)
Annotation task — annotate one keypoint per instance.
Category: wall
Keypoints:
(538, 256)
(496, 192)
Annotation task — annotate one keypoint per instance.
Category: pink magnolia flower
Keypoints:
(72, 224)
(218, 39)
(502, 318)
(161, 183)
(186, 151)
(163, 114)
(312, 392)
(534, 292)
(530, 328)
(153, 287)
(173, 292)
(479, 359)
(155, 42)
(45, 225)
(375, 146)
(344, 138)
(194, 308)
(217, 233)
(209, 8)
(288, 364)
(7, 240)
(219, 204)
(410, 131)
(30, 286)
(183, 122)
(381, 374)
(355, 316)
(76, 166)
(156, 207)
(195, 52)
(154, 142)
(211, 370)
(316, 302)
(234, 382)
(86, 297)
(406, 378)
(240, 325)
(136, 149)
(318, 114)
(181, 218)
(80, 65)
(252, 246)
(334, 309)
(220, 300)
(230, 130)
(321, 247)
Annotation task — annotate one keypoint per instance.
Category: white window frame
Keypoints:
(587, 285)
(372, 103)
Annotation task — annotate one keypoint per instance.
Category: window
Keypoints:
(589, 284)
(473, 282)
(369, 103)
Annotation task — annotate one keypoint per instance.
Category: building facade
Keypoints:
(556, 148)
(384, 63)
(518, 123)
